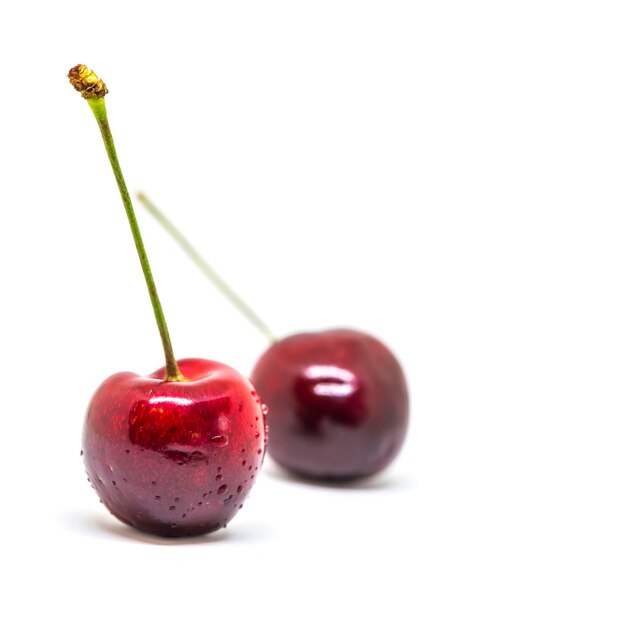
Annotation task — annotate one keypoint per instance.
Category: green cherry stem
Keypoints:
(205, 268)
(93, 90)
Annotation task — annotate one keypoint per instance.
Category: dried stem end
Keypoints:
(87, 82)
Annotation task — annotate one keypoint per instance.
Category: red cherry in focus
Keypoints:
(338, 403)
(175, 458)
(176, 452)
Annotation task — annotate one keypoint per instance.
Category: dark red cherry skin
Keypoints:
(338, 403)
(175, 458)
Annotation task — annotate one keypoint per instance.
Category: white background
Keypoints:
(446, 175)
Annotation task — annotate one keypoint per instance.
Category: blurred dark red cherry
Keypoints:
(338, 403)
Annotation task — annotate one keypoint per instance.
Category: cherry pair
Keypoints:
(176, 452)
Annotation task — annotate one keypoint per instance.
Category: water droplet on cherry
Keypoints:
(219, 441)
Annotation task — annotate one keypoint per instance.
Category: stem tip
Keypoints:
(87, 82)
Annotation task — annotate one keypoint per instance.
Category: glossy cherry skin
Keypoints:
(175, 458)
(338, 403)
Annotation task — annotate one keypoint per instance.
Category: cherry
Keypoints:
(338, 403)
(175, 458)
(176, 452)
(338, 399)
